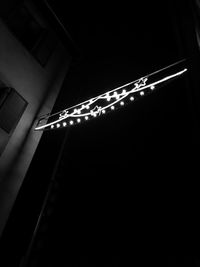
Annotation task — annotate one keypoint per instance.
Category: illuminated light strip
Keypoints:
(139, 86)
(91, 101)
(103, 96)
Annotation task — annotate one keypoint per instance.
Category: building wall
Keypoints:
(39, 86)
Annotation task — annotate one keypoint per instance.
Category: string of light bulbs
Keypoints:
(110, 100)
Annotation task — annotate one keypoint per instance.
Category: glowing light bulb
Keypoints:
(103, 111)
(122, 103)
(141, 93)
(116, 95)
(86, 118)
(124, 91)
(71, 122)
(64, 124)
(112, 107)
(52, 126)
(83, 106)
(87, 107)
(58, 125)
(131, 98)
(108, 98)
(152, 87)
(78, 120)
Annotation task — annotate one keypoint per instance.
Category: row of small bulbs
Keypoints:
(108, 98)
(71, 122)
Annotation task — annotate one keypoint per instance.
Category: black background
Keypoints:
(127, 186)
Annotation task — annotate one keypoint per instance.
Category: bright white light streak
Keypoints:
(168, 77)
(92, 100)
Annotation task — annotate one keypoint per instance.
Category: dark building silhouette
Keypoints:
(35, 57)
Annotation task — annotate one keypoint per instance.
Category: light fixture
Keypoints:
(98, 105)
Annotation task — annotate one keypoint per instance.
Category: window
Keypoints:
(4, 91)
(12, 106)
(38, 40)
(25, 27)
(45, 48)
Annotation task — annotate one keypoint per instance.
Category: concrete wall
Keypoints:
(40, 87)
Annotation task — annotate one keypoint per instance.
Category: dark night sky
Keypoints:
(123, 189)
(118, 44)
